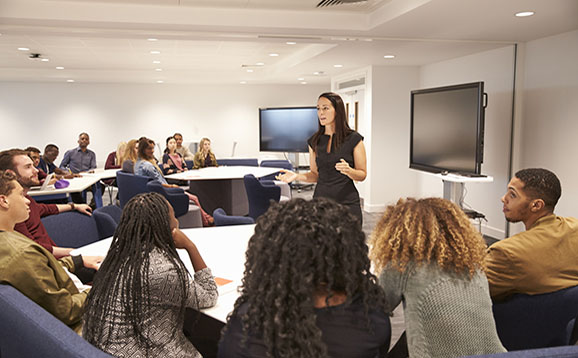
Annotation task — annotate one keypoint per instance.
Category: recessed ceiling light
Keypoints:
(243, 82)
(154, 52)
(273, 54)
(260, 64)
(152, 39)
(60, 68)
(23, 49)
(45, 60)
(158, 69)
(69, 81)
(389, 56)
(249, 70)
(337, 66)
(291, 43)
(156, 62)
(301, 79)
(160, 81)
(303, 83)
(525, 13)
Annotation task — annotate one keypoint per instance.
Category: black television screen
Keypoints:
(286, 129)
(447, 129)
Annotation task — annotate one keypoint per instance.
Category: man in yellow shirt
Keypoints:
(542, 259)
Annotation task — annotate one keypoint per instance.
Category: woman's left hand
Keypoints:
(181, 240)
(343, 167)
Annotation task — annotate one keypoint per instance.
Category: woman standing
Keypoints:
(307, 290)
(172, 161)
(431, 259)
(336, 156)
(204, 156)
(136, 306)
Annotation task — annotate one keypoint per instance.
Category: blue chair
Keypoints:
(536, 321)
(28, 330)
(71, 229)
(222, 219)
(557, 352)
(260, 194)
(107, 219)
(130, 185)
(248, 162)
(285, 164)
(190, 164)
(189, 215)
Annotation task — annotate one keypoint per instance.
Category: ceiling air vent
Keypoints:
(324, 3)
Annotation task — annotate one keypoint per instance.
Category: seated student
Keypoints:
(543, 258)
(31, 269)
(182, 150)
(34, 154)
(137, 303)
(431, 258)
(204, 156)
(18, 162)
(147, 166)
(129, 156)
(308, 290)
(172, 161)
(46, 162)
(113, 159)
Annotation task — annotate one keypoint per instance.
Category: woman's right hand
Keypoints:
(286, 176)
(181, 240)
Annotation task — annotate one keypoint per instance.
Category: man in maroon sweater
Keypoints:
(20, 164)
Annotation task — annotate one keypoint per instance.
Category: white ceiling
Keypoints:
(216, 41)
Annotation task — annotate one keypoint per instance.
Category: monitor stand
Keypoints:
(454, 186)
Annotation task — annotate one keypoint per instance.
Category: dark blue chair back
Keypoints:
(537, 321)
(222, 219)
(285, 164)
(190, 164)
(28, 330)
(259, 195)
(130, 185)
(176, 196)
(557, 352)
(71, 229)
(107, 219)
(248, 162)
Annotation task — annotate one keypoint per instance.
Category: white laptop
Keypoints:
(44, 185)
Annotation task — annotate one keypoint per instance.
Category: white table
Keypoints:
(222, 187)
(223, 249)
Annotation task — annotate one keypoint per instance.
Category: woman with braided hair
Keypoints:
(430, 257)
(307, 289)
(136, 306)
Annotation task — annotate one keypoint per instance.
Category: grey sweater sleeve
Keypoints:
(392, 280)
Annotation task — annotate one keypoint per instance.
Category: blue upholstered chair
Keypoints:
(71, 229)
(248, 162)
(130, 185)
(285, 164)
(260, 194)
(107, 219)
(189, 215)
(28, 330)
(537, 321)
(557, 352)
(190, 164)
(222, 219)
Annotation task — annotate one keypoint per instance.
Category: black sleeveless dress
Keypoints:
(331, 183)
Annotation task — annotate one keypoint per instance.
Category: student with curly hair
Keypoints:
(430, 257)
(307, 289)
(136, 307)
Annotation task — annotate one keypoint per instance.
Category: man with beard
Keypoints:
(542, 259)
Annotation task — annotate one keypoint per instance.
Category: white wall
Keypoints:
(40, 113)
(550, 113)
(495, 68)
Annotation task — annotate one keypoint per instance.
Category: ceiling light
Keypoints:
(152, 39)
(60, 68)
(156, 62)
(160, 81)
(243, 82)
(337, 66)
(154, 52)
(389, 56)
(291, 43)
(158, 69)
(249, 70)
(303, 83)
(301, 79)
(273, 54)
(260, 64)
(69, 81)
(45, 60)
(23, 49)
(525, 13)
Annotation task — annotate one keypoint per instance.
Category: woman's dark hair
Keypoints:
(300, 247)
(143, 145)
(167, 144)
(341, 127)
(144, 226)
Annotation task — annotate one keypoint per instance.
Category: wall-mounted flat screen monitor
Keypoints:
(447, 129)
(286, 129)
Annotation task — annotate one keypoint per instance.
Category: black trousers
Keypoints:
(203, 331)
